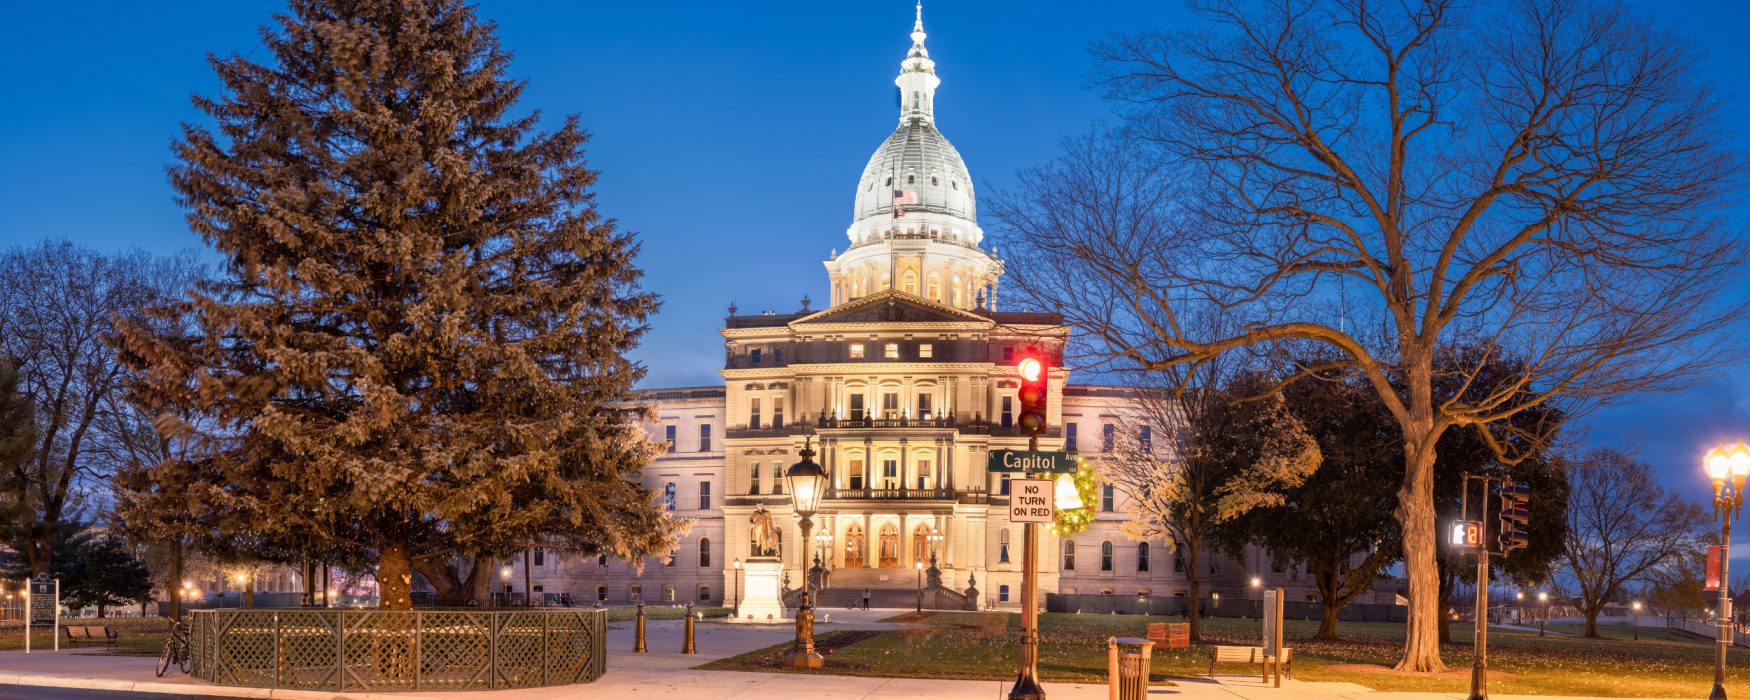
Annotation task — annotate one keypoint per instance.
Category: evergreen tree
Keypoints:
(418, 345)
(105, 572)
(17, 438)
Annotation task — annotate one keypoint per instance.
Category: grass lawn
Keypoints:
(983, 645)
(134, 635)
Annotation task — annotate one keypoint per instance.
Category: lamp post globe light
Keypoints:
(806, 482)
(1637, 608)
(1726, 467)
(1543, 600)
(1519, 606)
(919, 565)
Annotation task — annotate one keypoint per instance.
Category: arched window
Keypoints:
(704, 552)
(1142, 557)
(1069, 555)
(1003, 547)
(1106, 556)
(935, 181)
(855, 546)
(954, 184)
(917, 100)
(911, 179)
(889, 180)
(933, 288)
(704, 593)
(888, 547)
(908, 282)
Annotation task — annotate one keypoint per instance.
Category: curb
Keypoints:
(160, 687)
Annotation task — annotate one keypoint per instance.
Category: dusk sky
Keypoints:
(729, 137)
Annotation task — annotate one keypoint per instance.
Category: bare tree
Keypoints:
(58, 303)
(1543, 176)
(1222, 460)
(1621, 527)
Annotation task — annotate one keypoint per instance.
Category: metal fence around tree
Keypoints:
(380, 650)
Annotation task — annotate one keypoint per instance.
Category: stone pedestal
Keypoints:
(763, 578)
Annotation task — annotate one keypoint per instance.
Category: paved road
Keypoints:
(32, 692)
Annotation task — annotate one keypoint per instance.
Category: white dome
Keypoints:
(919, 160)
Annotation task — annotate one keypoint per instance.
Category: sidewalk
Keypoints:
(666, 674)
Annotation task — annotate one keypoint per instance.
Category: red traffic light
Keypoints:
(1031, 369)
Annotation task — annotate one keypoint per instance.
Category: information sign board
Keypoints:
(43, 603)
(1018, 461)
(1031, 500)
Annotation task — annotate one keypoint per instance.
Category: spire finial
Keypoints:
(920, 23)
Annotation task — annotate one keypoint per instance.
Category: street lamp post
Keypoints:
(806, 481)
(504, 573)
(1726, 465)
(1519, 606)
(1542, 601)
(1258, 585)
(1214, 602)
(737, 565)
(919, 565)
(1636, 606)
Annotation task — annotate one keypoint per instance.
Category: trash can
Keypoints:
(1127, 667)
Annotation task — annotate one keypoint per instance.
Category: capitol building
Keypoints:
(904, 382)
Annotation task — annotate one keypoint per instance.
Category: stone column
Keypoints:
(936, 479)
(871, 543)
(905, 476)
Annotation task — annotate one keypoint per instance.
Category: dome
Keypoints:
(916, 159)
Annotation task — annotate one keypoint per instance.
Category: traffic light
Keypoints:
(1515, 516)
(1035, 392)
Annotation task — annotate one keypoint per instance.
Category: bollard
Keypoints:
(638, 645)
(687, 646)
(1127, 661)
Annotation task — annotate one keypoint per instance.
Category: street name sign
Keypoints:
(1032, 500)
(1019, 461)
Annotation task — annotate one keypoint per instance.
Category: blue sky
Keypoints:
(729, 135)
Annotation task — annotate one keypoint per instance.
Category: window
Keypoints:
(704, 552)
(892, 351)
(1107, 433)
(924, 349)
(924, 405)
(753, 480)
(1003, 593)
(1215, 565)
(777, 411)
(668, 495)
(856, 406)
(753, 414)
(777, 477)
(1147, 439)
(1008, 420)
(668, 434)
(890, 405)
(1069, 555)
(540, 557)
(753, 356)
(705, 438)
(1107, 496)
(923, 470)
(1179, 559)
(601, 593)
(890, 473)
(777, 356)
(1003, 488)
(1003, 547)
(704, 495)
(1069, 437)
(1106, 556)
(672, 556)
(856, 351)
(635, 593)
(856, 474)
(601, 560)
(1008, 355)
(704, 593)
(1142, 557)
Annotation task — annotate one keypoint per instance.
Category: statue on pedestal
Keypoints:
(764, 533)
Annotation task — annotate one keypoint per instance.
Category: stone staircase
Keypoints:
(830, 599)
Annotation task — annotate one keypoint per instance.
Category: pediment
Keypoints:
(892, 306)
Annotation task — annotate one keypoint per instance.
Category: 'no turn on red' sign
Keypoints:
(1030, 500)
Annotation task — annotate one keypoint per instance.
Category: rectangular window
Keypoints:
(856, 351)
(753, 484)
(890, 473)
(1008, 355)
(1108, 433)
(777, 477)
(1147, 438)
(671, 558)
(601, 593)
(1003, 487)
(1069, 437)
(705, 438)
(856, 406)
(601, 560)
(777, 356)
(890, 405)
(668, 495)
(856, 474)
(540, 557)
(668, 434)
(1142, 557)
(925, 351)
(923, 405)
(704, 495)
(923, 474)
(1178, 560)
(753, 356)
(753, 414)
(1003, 593)
(892, 352)
(777, 411)
(1008, 420)
(1105, 556)
(1108, 494)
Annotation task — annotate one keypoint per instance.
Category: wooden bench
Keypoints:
(1246, 655)
(1170, 635)
(95, 634)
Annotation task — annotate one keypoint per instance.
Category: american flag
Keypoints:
(901, 199)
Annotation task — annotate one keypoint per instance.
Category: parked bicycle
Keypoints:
(175, 649)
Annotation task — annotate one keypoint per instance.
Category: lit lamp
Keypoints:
(1637, 608)
(504, 574)
(1519, 596)
(1726, 466)
(737, 589)
(1068, 497)
(1543, 600)
(919, 565)
(806, 482)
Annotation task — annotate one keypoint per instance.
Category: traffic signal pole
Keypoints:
(1027, 677)
(1479, 674)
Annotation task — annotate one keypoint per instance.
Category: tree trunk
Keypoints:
(394, 578)
(1416, 517)
(1195, 608)
(174, 580)
(1328, 621)
(100, 610)
(247, 594)
(1591, 622)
